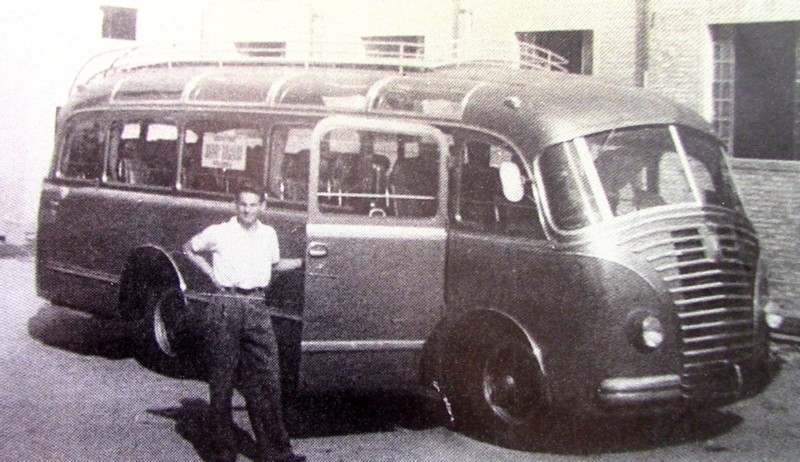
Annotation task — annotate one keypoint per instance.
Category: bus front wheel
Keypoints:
(498, 390)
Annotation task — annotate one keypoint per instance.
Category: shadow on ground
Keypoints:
(82, 333)
(191, 424)
(17, 252)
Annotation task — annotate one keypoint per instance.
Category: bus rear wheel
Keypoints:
(498, 392)
(163, 344)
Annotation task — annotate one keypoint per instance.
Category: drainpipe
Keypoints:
(643, 23)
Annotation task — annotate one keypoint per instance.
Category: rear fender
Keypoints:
(152, 266)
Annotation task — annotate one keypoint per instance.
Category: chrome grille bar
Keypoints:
(707, 258)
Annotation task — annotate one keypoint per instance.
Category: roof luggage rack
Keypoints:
(368, 54)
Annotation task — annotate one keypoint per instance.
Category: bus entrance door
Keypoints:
(374, 284)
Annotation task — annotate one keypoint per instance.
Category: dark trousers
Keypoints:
(243, 354)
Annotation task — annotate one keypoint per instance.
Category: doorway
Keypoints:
(756, 97)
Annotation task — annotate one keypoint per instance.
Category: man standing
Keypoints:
(241, 344)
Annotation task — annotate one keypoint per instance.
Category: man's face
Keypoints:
(248, 208)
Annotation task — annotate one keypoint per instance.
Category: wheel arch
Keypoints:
(147, 265)
(454, 336)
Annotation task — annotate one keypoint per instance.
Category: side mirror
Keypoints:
(512, 181)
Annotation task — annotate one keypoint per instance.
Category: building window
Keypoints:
(722, 86)
(262, 49)
(394, 46)
(119, 23)
(573, 45)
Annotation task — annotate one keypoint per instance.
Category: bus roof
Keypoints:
(533, 108)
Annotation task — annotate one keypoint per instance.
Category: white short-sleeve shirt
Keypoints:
(240, 258)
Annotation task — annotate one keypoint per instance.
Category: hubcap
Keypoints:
(509, 383)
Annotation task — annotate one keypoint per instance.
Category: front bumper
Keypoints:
(726, 384)
(636, 391)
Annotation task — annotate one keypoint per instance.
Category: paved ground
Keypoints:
(68, 392)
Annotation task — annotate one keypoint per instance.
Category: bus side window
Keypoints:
(289, 162)
(82, 157)
(480, 185)
(143, 153)
(481, 204)
(217, 156)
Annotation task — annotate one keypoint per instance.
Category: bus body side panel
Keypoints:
(573, 307)
(83, 248)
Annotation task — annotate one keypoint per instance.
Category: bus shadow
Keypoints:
(82, 333)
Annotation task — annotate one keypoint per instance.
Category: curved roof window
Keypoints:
(339, 91)
(149, 86)
(230, 87)
(445, 99)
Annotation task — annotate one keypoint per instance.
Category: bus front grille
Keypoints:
(709, 269)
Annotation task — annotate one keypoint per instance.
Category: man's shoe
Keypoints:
(223, 456)
(285, 458)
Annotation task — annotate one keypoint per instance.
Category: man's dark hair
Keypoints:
(248, 186)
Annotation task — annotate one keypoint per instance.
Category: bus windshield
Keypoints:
(638, 168)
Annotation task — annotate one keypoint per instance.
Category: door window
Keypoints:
(289, 158)
(378, 174)
(82, 156)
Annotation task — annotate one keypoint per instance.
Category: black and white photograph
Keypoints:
(399, 230)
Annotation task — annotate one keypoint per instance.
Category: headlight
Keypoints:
(645, 330)
(762, 302)
(652, 332)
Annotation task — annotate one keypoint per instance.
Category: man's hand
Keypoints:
(288, 264)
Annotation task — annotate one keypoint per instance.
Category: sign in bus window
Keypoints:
(378, 174)
(218, 156)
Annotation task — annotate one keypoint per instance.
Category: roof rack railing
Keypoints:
(368, 53)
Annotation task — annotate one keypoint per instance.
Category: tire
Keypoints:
(497, 390)
(164, 343)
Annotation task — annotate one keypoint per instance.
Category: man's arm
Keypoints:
(199, 261)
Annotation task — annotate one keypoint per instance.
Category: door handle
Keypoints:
(317, 250)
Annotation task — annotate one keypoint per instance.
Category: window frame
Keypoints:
(389, 126)
(270, 162)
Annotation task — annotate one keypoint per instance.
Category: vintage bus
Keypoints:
(523, 240)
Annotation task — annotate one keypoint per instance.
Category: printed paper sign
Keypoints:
(226, 151)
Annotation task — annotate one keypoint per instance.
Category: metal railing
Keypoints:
(403, 56)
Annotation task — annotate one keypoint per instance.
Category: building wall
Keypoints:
(769, 190)
(614, 27)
